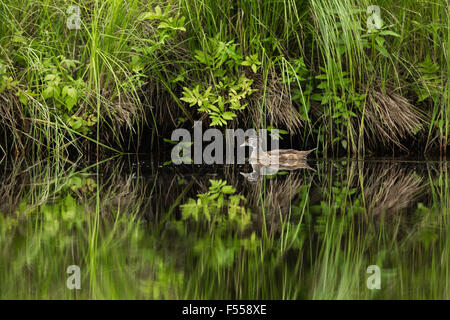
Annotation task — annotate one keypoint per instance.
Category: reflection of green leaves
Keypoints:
(331, 214)
(164, 282)
(209, 206)
(250, 244)
(427, 237)
(69, 208)
(63, 210)
(51, 227)
(191, 209)
(82, 183)
(219, 253)
(224, 255)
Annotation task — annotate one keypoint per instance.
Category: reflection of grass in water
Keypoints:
(318, 247)
(64, 228)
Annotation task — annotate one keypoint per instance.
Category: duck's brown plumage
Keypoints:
(280, 157)
(289, 154)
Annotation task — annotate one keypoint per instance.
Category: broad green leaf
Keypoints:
(389, 33)
(48, 92)
(228, 189)
(228, 115)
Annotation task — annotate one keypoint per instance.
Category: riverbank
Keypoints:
(120, 75)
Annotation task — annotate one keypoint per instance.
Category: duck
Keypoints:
(284, 158)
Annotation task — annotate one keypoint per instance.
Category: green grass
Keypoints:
(318, 73)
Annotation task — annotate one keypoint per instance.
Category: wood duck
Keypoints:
(282, 157)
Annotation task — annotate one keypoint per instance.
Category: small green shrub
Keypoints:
(227, 86)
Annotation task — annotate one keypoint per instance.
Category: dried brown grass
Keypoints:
(390, 119)
(272, 104)
(391, 187)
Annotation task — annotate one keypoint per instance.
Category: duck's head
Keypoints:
(252, 176)
(251, 142)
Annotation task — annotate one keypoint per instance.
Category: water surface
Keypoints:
(140, 230)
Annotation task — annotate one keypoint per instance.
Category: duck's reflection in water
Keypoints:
(260, 170)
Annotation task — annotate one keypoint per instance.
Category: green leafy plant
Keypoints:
(64, 92)
(228, 86)
(375, 39)
(275, 133)
(300, 80)
(166, 21)
(430, 80)
(342, 104)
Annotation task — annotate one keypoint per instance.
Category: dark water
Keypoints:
(371, 229)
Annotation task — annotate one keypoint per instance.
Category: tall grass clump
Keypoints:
(65, 86)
